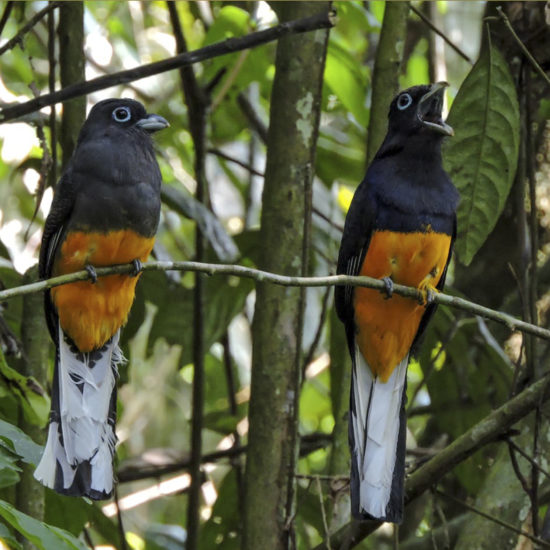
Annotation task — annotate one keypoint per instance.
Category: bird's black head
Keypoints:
(417, 110)
(115, 115)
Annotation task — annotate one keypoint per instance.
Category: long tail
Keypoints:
(78, 456)
(377, 432)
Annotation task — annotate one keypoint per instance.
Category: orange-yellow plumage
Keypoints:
(386, 328)
(90, 313)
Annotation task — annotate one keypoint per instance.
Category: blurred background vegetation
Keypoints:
(466, 368)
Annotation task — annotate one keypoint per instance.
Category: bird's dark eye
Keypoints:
(122, 114)
(404, 101)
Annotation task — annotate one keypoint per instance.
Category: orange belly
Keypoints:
(91, 313)
(386, 327)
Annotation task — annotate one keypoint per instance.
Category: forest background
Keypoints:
(271, 131)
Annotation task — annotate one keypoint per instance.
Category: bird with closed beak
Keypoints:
(105, 211)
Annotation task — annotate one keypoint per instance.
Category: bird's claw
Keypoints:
(92, 273)
(138, 266)
(427, 295)
(388, 287)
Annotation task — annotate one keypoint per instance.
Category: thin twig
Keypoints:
(494, 519)
(308, 444)
(87, 538)
(522, 47)
(440, 33)
(5, 15)
(231, 45)
(323, 513)
(529, 459)
(18, 38)
(234, 411)
(318, 333)
(252, 117)
(120, 525)
(230, 79)
(519, 474)
(264, 276)
(197, 102)
(51, 89)
(328, 478)
(234, 160)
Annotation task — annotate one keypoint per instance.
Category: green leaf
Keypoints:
(224, 299)
(43, 536)
(9, 471)
(180, 200)
(345, 77)
(74, 513)
(34, 401)
(222, 530)
(20, 442)
(464, 387)
(482, 157)
(8, 539)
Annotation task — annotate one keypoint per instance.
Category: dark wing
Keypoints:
(52, 237)
(353, 247)
(430, 310)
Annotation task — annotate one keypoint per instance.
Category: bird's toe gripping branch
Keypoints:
(92, 273)
(138, 266)
(427, 289)
(388, 287)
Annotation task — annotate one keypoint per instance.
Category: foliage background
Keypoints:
(466, 367)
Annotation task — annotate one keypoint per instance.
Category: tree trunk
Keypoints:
(276, 365)
(71, 67)
(36, 345)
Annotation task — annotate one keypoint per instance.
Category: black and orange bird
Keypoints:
(400, 227)
(105, 211)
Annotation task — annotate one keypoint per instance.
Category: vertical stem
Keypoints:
(233, 409)
(51, 89)
(340, 382)
(36, 345)
(385, 75)
(278, 317)
(71, 70)
(532, 287)
(197, 104)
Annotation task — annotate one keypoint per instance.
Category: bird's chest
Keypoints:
(408, 258)
(385, 329)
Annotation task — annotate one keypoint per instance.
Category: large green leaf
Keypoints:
(9, 470)
(43, 536)
(224, 299)
(15, 439)
(470, 378)
(346, 77)
(482, 157)
(73, 514)
(34, 401)
(222, 530)
(8, 539)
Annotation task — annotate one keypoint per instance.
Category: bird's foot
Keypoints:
(138, 266)
(92, 273)
(388, 287)
(427, 295)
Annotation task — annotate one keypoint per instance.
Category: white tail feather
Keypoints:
(375, 425)
(85, 385)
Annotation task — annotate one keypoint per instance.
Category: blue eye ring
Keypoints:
(404, 101)
(122, 114)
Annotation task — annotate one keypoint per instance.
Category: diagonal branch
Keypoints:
(18, 38)
(264, 276)
(319, 21)
(484, 432)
